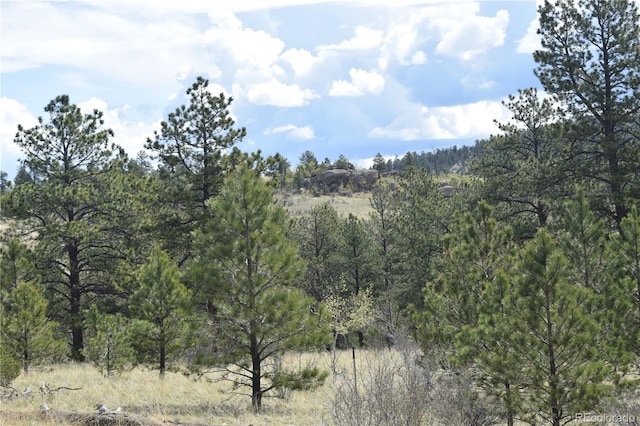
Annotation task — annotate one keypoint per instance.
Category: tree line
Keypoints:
(527, 274)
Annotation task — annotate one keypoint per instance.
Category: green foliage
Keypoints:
(16, 264)
(421, 216)
(350, 312)
(300, 380)
(589, 62)
(191, 145)
(5, 182)
(379, 164)
(625, 305)
(164, 302)
(9, 366)
(278, 168)
(475, 249)
(317, 235)
(552, 334)
(248, 267)
(26, 332)
(524, 170)
(342, 162)
(110, 342)
(79, 212)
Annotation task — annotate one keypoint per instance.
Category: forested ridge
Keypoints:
(524, 274)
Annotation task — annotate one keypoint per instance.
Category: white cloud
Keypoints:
(301, 60)
(404, 134)
(248, 47)
(129, 135)
(278, 94)
(12, 113)
(362, 82)
(530, 42)
(474, 35)
(473, 120)
(293, 132)
(399, 43)
(364, 39)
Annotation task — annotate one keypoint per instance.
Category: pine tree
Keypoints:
(163, 302)
(318, 238)
(589, 61)
(26, 330)
(359, 264)
(463, 310)
(553, 335)
(524, 170)
(110, 342)
(592, 264)
(379, 164)
(191, 145)
(249, 267)
(625, 254)
(421, 218)
(79, 211)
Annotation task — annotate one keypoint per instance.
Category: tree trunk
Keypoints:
(163, 359)
(508, 394)
(553, 373)
(77, 340)
(256, 389)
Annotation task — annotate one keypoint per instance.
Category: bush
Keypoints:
(9, 367)
(456, 400)
(394, 389)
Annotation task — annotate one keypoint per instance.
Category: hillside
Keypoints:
(299, 203)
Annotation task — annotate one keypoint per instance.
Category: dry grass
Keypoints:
(176, 398)
(300, 204)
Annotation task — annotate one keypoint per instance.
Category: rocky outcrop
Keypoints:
(334, 180)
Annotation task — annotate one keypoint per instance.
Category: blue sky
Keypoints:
(335, 77)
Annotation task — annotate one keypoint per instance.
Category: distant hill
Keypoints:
(453, 160)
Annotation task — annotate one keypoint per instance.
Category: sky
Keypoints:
(349, 77)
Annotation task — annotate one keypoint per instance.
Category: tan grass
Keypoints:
(299, 204)
(176, 398)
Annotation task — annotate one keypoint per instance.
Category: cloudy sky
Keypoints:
(352, 77)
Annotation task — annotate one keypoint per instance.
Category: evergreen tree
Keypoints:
(625, 252)
(421, 218)
(342, 162)
(471, 285)
(381, 222)
(589, 61)
(79, 212)
(23, 176)
(249, 267)
(164, 302)
(359, 261)
(379, 164)
(5, 182)
(553, 336)
(277, 168)
(594, 264)
(524, 170)
(110, 342)
(191, 145)
(25, 328)
(318, 238)
(16, 264)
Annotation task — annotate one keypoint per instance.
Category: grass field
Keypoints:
(177, 398)
(299, 204)
(389, 392)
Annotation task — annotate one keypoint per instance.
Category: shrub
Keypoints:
(394, 389)
(9, 367)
